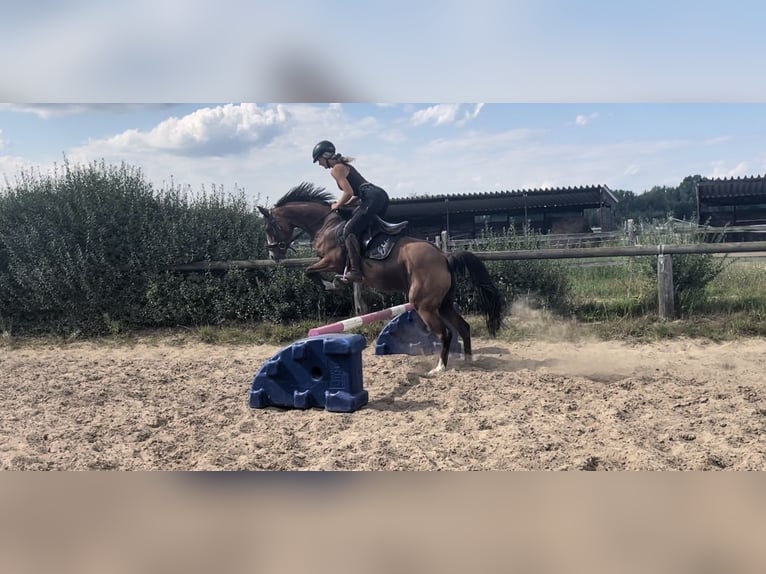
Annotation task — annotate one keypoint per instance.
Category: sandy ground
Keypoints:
(588, 405)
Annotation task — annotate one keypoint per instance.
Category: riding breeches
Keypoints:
(374, 201)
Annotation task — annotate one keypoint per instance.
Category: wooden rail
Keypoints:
(663, 253)
(580, 253)
(244, 264)
(637, 251)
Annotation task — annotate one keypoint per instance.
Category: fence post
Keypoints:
(665, 286)
(445, 238)
(360, 307)
(631, 232)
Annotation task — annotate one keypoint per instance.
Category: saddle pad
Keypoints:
(380, 246)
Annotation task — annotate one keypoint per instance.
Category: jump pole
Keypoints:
(354, 322)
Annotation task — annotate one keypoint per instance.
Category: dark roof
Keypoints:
(592, 196)
(732, 187)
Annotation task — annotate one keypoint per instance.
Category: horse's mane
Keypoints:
(306, 192)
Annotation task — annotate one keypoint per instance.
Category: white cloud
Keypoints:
(12, 166)
(582, 120)
(470, 114)
(441, 114)
(265, 149)
(721, 170)
(217, 131)
(438, 114)
(475, 113)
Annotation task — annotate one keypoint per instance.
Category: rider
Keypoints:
(370, 200)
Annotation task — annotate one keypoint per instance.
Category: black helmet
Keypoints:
(322, 148)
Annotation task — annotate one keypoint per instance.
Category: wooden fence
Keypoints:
(664, 255)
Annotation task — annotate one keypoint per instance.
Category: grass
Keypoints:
(741, 287)
(608, 292)
(620, 302)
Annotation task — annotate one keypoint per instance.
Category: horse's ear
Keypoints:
(264, 211)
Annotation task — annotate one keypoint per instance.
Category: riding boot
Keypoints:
(354, 260)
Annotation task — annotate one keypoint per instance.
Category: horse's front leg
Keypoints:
(334, 285)
(326, 264)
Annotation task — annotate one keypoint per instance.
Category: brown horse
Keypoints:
(415, 267)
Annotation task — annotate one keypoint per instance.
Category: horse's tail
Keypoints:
(491, 300)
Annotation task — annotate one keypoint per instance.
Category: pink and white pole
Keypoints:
(354, 322)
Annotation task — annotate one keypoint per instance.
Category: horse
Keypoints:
(415, 267)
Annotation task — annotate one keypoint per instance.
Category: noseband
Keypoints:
(284, 246)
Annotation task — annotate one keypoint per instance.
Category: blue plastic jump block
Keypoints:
(323, 371)
(406, 334)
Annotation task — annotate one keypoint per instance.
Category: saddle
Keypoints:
(378, 239)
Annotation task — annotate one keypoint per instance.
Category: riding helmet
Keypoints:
(322, 148)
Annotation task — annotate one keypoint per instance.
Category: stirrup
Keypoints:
(351, 277)
(343, 278)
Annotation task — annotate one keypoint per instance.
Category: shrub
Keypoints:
(691, 275)
(81, 249)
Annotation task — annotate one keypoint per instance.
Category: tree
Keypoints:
(659, 202)
(686, 204)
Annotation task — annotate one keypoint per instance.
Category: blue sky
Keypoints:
(407, 148)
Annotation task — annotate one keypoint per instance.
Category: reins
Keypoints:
(282, 245)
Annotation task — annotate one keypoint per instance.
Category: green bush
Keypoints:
(692, 273)
(86, 250)
(78, 245)
(276, 295)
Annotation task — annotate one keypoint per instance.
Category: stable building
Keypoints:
(466, 216)
(732, 201)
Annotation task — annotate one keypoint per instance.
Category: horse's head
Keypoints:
(279, 233)
(304, 207)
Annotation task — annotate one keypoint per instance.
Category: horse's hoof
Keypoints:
(437, 369)
(352, 278)
(334, 286)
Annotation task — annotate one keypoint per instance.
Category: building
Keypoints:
(466, 216)
(732, 201)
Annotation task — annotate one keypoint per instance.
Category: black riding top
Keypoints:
(354, 178)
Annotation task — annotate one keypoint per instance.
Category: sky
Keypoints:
(437, 98)
(408, 149)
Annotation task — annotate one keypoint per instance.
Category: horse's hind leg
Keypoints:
(436, 325)
(455, 319)
(428, 289)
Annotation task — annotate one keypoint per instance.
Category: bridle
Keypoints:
(283, 247)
